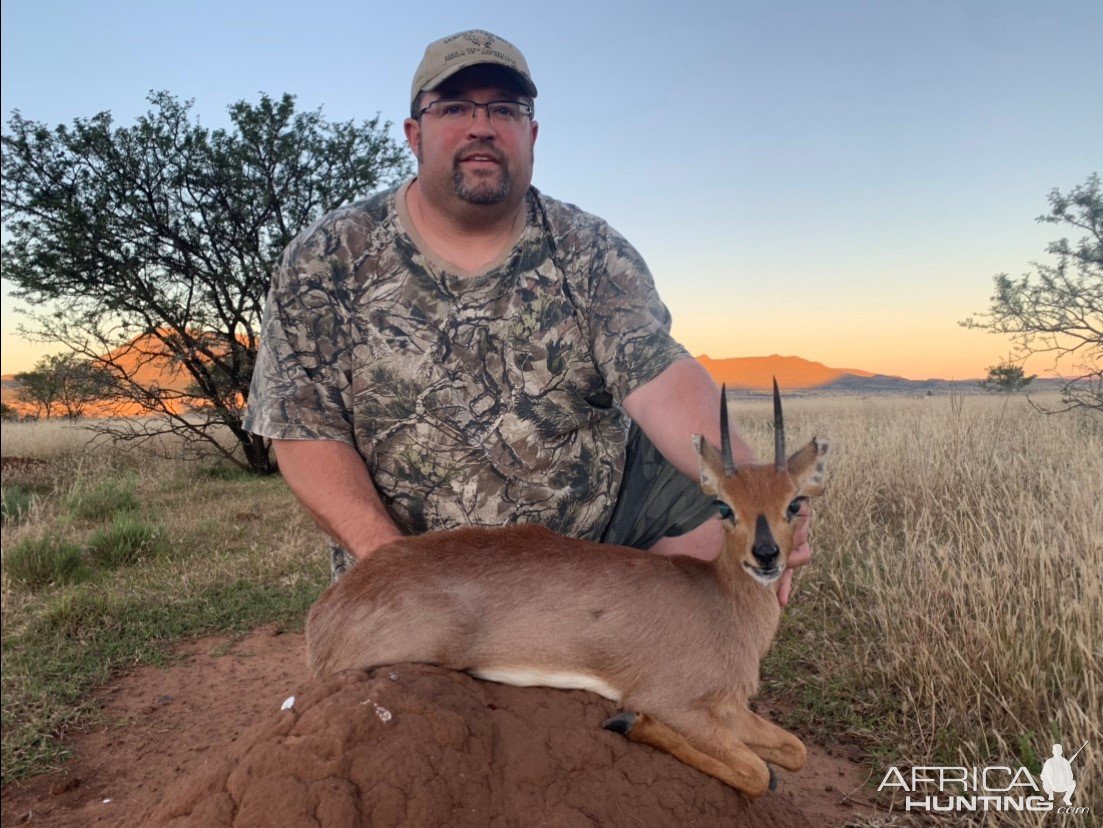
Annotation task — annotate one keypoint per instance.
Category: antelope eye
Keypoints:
(794, 507)
(724, 509)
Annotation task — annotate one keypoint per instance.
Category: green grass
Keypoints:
(86, 634)
(125, 541)
(224, 471)
(104, 499)
(1028, 756)
(829, 707)
(38, 561)
(15, 503)
(115, 593)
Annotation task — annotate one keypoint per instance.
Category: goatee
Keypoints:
(482, 190)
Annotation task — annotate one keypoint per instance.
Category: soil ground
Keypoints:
(160, 725)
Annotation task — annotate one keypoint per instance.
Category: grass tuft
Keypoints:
(103, 500)
(125, 541)
(39, 561)
(1027, 754)
(15, 503)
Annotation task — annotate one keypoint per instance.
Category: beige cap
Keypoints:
(447, 56)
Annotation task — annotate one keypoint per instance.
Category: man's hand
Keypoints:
(330, 479)
(801, 554)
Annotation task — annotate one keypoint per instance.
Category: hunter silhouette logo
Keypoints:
(1057, 774)
(947, 789)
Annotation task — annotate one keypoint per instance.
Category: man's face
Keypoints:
(475, 160)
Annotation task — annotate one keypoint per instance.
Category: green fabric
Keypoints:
(655, 500)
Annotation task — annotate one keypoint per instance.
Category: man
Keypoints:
(465, 350)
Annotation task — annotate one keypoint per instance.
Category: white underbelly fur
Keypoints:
(531, 677)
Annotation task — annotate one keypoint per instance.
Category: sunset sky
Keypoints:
(835, 180)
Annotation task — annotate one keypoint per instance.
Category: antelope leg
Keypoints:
(709, 746)
(767, 740)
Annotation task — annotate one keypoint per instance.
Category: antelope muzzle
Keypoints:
(765, 549)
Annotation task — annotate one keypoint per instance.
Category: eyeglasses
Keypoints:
(503, 112)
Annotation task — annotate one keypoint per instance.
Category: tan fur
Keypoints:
(676, 638)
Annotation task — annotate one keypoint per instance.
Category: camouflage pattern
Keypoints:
(655, 501)
(482, 399)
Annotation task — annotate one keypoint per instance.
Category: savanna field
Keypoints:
(952, 614)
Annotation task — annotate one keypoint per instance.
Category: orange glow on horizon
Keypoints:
(913, 346)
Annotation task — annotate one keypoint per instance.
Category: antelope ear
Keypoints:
(712, 467)
(808, 467)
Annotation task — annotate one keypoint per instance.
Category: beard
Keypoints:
(479, 188)
(482, 186)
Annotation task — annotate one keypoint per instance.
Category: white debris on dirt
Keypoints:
(288, 703)
(383, 713)
(106, 801)
(392, 676)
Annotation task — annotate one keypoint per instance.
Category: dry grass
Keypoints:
(46, 439)
(58, 438)
(953, 613)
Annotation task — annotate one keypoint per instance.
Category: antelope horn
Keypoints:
(725, 436)
(779, 431)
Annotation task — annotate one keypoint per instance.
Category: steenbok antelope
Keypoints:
(676, 641)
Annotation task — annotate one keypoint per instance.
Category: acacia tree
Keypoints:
(149, 248)
(1006, 378)
(66, 381)
(38, 388)
(1058, 308)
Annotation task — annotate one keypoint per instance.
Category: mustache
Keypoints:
(480, 148)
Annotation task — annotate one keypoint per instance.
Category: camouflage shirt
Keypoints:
(483, 399)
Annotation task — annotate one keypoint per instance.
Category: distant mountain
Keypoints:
(145, 359)
(792, 372)
(751, 377)
(744, 376)
(881, 384)
(9, 389)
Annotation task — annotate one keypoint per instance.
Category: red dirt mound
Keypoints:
(17, 464)
(417, 745)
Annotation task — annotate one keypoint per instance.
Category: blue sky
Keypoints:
(834, 180)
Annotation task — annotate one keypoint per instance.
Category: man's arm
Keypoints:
(682, 401)
(301, 390)
(330, 479)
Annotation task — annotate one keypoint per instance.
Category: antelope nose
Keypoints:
(765, 549)
(766, 554)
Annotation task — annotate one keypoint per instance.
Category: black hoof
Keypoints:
(773, 778)
(621, 723)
